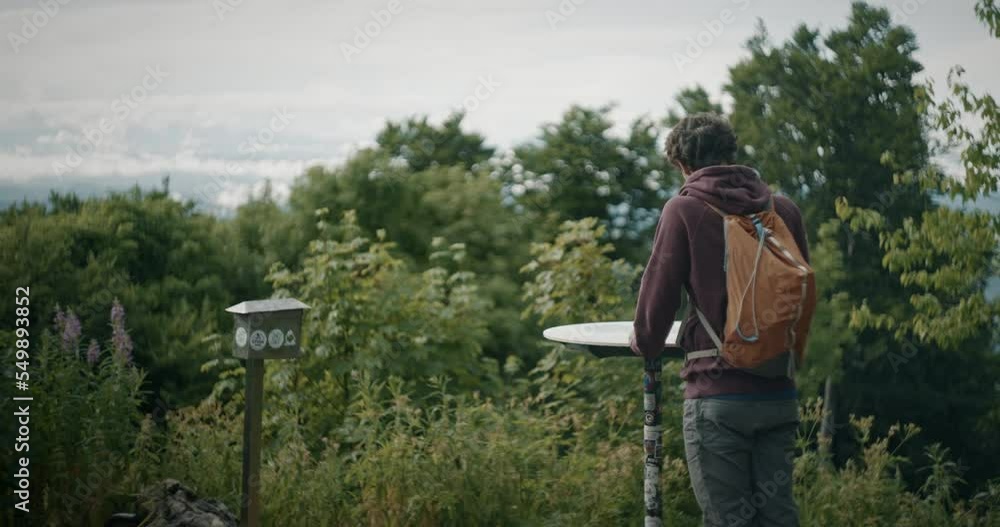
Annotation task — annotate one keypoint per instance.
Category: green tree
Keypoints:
(373, 314)
(161, 258)
(689, 101)
(383, 183)
(421, 182)
(578, 168)
(944, 258)
(816, 115)
(422, 145)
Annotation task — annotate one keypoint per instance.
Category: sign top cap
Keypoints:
(266, 306)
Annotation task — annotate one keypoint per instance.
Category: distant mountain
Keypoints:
(215, 195)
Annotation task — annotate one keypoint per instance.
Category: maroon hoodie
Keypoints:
(688, 251)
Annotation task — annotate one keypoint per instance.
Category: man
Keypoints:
(739, 428)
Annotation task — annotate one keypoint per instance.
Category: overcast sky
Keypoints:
(182, 84)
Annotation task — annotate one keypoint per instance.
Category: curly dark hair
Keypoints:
(701, 140)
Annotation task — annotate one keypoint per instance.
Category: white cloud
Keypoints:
(227, 76)
(21, 168)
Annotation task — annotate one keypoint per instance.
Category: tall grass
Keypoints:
(471, 461)
(548, 454)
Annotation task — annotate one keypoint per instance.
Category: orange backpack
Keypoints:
(772, 296)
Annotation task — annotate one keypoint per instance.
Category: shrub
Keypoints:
(84, 422)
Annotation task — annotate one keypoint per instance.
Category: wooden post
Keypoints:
(250, 503)
(652, 440)
(827, 425)
(264, 330)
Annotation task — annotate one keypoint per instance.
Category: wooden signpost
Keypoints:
(264, 329)
(611, 339)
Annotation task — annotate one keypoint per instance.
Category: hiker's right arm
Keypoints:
(662, 281)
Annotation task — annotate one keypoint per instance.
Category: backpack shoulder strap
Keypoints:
(713, 207)
(714, 352)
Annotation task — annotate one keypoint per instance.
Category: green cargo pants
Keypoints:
(739, 455)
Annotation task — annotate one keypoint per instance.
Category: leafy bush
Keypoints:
(356, 434)
(449, 459)
(870, 490)
(559, 444)
(85, 421)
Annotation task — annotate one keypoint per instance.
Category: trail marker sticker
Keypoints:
(267, 329)
(258, 340)
(241, 337)
(275, 338)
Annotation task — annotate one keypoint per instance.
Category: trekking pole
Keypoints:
(611, 339)
(652, 441)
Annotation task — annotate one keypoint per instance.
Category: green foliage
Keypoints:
(944, 256)
(371, 313)
(838, 121)
(943, 259)
(442, 459)
(577, 257)
(830, 335)
(989, 13)
(815, 114)
(691, 100)
(425, 396)
(161, 258)
(356, 433)
(446, 459)
(202, 444)
(869, 490)
(422, 145)
(579, 168)
(419, 183)
(260, 234)
(84, 428)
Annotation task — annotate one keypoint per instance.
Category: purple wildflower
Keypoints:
(60, 319)
(93, 353)
(120, 339)
(68, 326)
(71, 332)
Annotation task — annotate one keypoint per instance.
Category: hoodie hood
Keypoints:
(733, 189)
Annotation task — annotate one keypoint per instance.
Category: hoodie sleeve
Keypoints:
(662, 281)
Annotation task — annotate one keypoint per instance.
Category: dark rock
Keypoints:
(170, 504)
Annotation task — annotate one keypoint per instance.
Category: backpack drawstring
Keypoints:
(761, 233)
